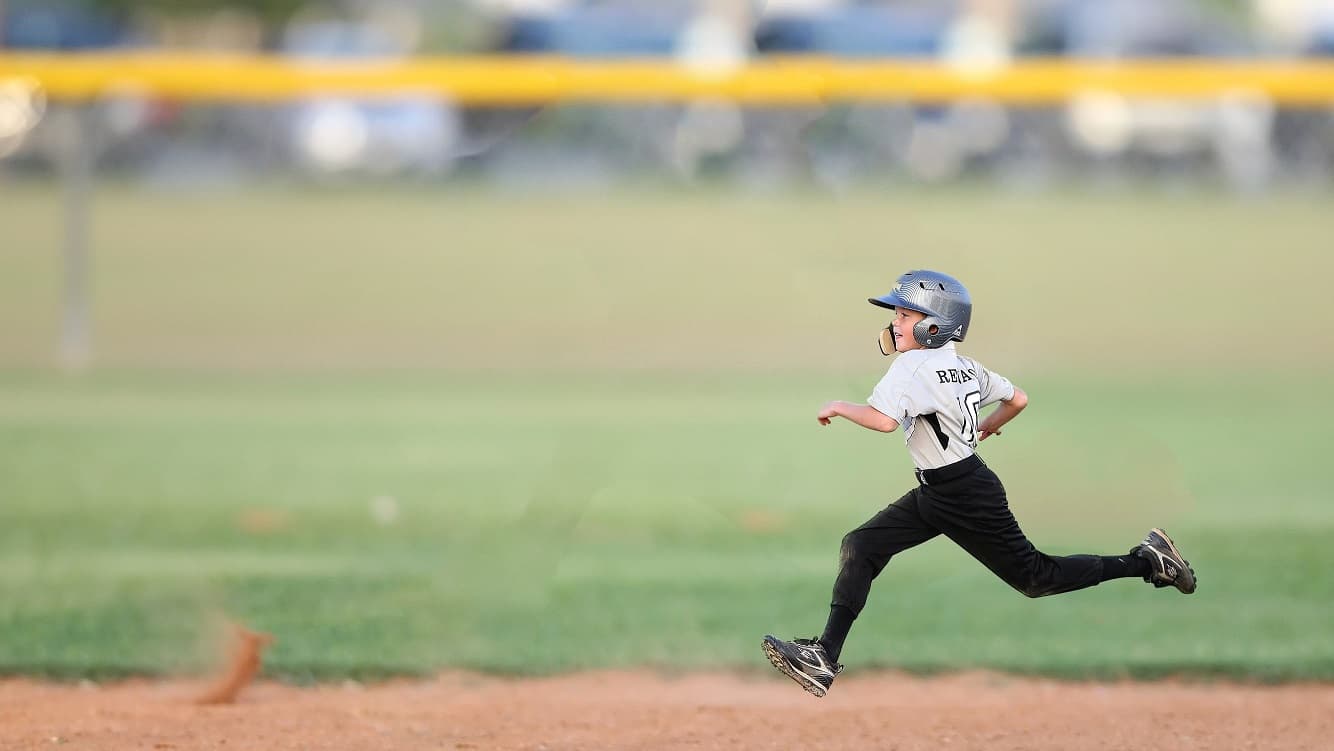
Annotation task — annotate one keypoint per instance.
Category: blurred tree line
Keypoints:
(273, 13)
(455, 26)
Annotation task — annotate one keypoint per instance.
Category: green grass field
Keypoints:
(405, 430)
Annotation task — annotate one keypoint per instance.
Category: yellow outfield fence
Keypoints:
(766, 81)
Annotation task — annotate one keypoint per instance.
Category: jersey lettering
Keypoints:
(954, 375)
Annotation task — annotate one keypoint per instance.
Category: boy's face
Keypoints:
(904, 320)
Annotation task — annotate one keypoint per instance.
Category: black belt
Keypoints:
(949, 471)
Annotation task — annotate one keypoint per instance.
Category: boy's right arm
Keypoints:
(863, 414)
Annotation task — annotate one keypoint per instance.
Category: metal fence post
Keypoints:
(75, 332)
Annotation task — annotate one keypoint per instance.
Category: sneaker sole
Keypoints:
(777, 660)
(1187, 573)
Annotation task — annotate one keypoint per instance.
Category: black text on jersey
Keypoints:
(954, 375)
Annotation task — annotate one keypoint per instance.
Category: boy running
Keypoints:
(936, 395)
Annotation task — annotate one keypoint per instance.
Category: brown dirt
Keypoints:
(638, 710)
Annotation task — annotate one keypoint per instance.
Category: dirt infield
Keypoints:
(638, 710)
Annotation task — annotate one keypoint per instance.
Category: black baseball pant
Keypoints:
(971, 509)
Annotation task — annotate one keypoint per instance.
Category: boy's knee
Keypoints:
(850, 549)
(1031, 588)
(1030, 578)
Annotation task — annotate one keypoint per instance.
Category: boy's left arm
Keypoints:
(863, 414)
(1007, 411)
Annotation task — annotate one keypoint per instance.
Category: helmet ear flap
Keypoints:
(926, 332)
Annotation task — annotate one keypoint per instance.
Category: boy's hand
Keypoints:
(826, 413)
(987, 429)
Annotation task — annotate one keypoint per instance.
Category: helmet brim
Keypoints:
(893, 300)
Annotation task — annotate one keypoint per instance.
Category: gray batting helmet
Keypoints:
(941, 297)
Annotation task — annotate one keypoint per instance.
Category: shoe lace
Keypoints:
(815, 642)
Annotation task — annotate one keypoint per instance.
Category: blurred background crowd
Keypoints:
(1244, 141)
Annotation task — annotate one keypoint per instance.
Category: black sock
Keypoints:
(1123, 567)
(836, 630)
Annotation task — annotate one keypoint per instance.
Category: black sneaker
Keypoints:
(1167, 568)
(804, 661)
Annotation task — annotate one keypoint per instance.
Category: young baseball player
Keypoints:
(936, 395)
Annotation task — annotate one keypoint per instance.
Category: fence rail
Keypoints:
(768, 81)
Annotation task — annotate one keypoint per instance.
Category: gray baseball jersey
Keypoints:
(935, 395)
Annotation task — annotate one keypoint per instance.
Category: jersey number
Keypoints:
(969, 403)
